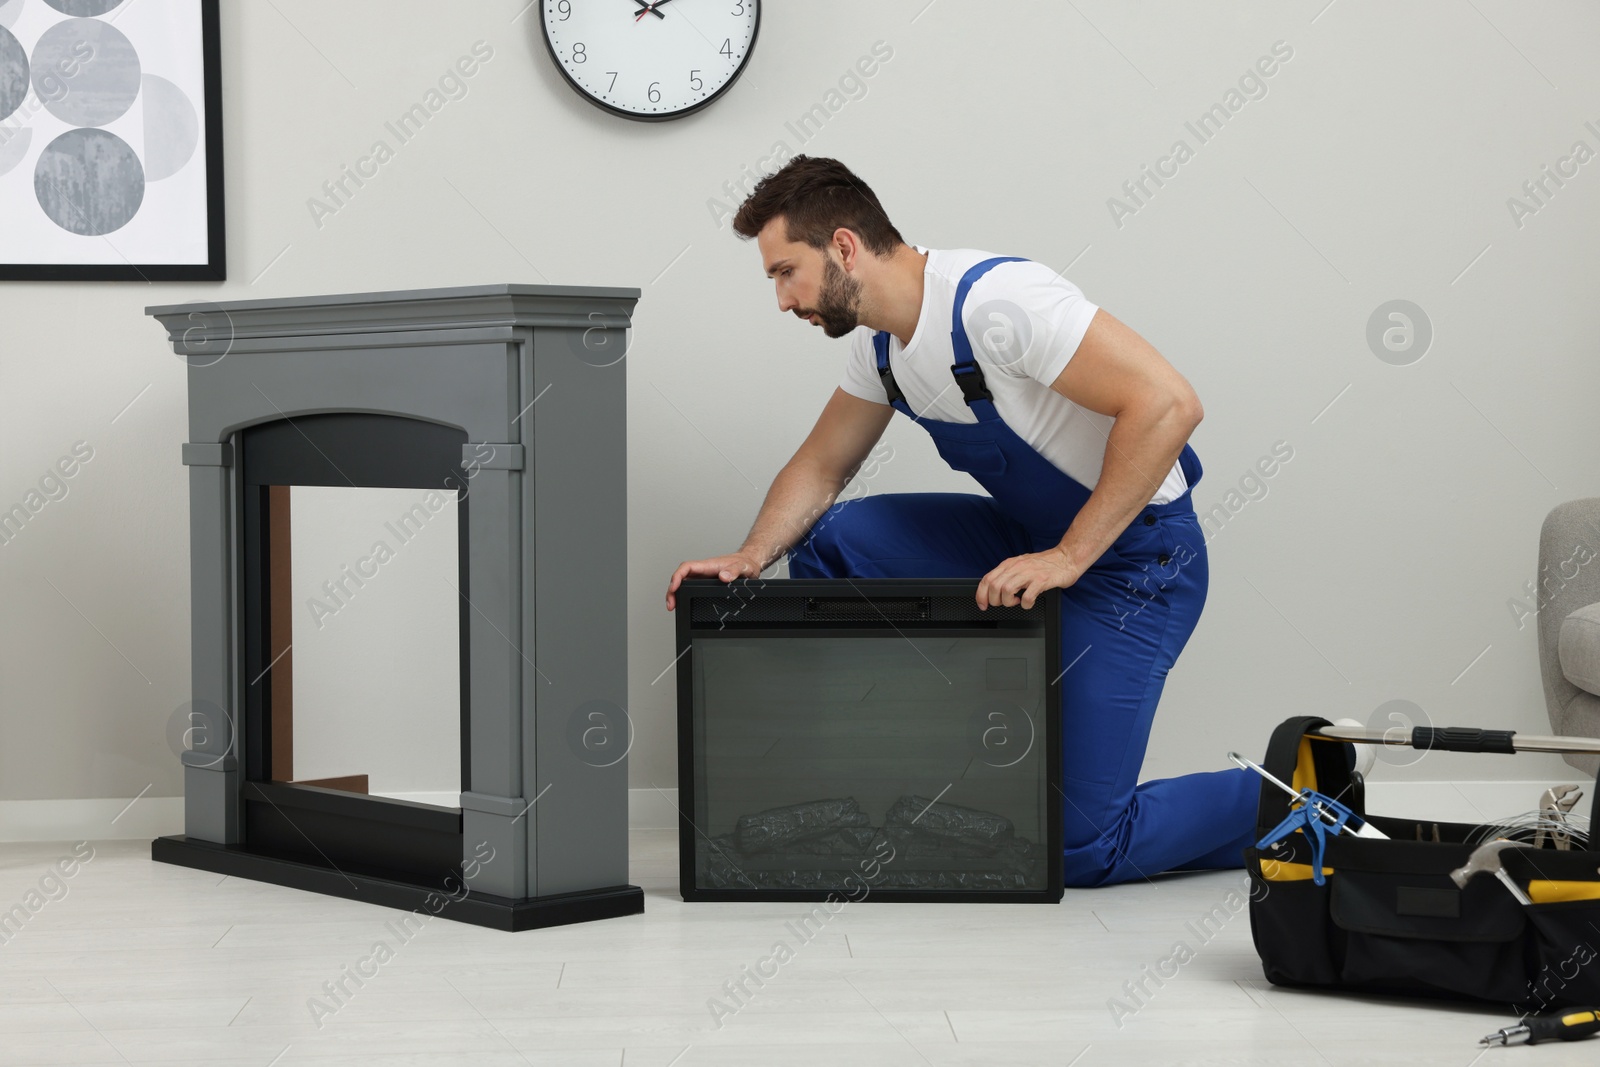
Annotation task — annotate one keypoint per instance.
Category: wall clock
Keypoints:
(651, 59)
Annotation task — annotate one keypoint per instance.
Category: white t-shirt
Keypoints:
(1024, 321)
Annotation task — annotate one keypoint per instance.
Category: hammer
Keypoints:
(1486, 857)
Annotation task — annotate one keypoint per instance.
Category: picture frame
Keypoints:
(111, 141)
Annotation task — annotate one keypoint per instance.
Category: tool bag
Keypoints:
(1388, 918)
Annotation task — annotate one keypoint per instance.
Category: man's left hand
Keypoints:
(1023, 578)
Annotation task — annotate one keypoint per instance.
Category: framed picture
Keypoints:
(110, 141)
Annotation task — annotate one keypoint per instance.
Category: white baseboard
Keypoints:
(1466, 802)
(111, 819)
(653, 809)
(150, 817)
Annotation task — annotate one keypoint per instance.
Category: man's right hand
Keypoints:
(727, 568)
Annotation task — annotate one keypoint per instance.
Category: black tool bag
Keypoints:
(1389, 919)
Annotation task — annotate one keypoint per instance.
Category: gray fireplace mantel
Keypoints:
(534, 376)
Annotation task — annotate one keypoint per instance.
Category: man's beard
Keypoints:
(839, 303)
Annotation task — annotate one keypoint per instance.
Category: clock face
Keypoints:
(651, 59)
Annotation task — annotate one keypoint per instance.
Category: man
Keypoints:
(1077, 428)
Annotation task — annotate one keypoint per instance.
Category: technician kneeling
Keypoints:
(1077, 428)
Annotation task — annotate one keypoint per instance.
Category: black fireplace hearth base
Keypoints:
(478, 909)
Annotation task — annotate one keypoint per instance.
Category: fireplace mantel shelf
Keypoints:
(370, 320)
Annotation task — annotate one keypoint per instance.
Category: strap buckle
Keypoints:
(890, 386)
(971, 381)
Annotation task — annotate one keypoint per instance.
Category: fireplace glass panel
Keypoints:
(900, 758)
(375, 687)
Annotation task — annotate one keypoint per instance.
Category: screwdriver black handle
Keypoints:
(1568, 1027)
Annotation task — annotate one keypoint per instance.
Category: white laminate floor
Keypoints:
(140, 962)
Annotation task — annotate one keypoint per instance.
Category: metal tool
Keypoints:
(1328, 809)
(1430, 737)
(1556, 804)
(1486, 857)
(1536, 1028)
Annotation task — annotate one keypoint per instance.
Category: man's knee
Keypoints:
(903, 535)
(817, 555)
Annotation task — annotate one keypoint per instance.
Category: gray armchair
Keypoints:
(1567, 601)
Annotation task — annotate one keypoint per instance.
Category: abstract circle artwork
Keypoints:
(85, 72)
(171, 128)
(106, 165)
(83, 7)
(13, 73)
(89, 182)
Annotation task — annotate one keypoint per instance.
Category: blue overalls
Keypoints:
(1123, 623)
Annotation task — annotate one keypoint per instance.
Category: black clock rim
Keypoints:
(544, 32)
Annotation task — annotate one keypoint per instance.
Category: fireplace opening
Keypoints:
(369, 671)
(355, 654)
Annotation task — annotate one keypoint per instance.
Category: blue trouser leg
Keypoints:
(1122, 630)
(1118, 643)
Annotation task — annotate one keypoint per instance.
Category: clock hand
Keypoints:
(650, 9)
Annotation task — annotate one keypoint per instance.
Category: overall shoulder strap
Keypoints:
(880, 346)
(969, 376)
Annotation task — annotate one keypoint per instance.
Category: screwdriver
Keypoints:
(1537, 1028)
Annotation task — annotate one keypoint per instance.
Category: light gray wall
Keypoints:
(1376, 565)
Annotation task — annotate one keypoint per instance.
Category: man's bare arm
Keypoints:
(1116, 372)
(805, 488)
(822, 466)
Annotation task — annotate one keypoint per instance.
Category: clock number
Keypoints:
(579, 53)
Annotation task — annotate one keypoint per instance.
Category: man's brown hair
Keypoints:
(816, 196)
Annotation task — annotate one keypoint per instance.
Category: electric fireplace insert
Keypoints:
(875, 739)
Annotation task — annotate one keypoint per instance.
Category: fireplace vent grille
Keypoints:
(748, 607)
